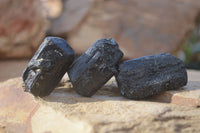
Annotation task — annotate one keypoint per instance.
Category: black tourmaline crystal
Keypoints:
(95, 67)
(145, 76)
(47, 66)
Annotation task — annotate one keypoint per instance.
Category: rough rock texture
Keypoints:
(95, 67)
(22, 28)
(141, 27)
(48, 65)
(74, 11)
(149, 75)
(64, 110)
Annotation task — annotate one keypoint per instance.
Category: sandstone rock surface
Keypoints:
(74, 11)
(141, 27)
(22, 28)
(107, 111)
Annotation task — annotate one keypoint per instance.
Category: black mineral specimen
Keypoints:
(145, 76)
(95, 67)
(47, 66)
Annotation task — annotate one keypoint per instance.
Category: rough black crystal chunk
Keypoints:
(47, 66)
(145, 76)
(95, 67)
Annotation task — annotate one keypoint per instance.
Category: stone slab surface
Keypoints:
(107, 111)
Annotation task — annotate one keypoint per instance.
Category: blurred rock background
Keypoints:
(141, 27)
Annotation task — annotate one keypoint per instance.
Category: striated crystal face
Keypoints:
(149, 75)
(95, 67)
(47, 66)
